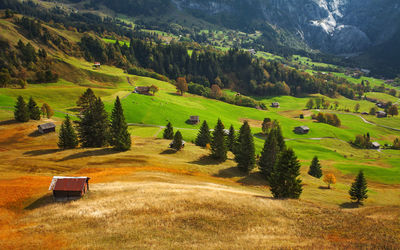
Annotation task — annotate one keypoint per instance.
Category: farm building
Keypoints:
(364, 113)
(376, 145)
(69, 188)
(275, 105)
(172, 144)
(194, 119)
(301, 130)
(47, 128)
(381, 114)
(143, 90)
(96, 65)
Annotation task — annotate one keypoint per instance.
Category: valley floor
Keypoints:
(151, 197)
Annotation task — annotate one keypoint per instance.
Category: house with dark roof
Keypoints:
(143, 90)
(381, 114)
(194, 119)
(69, 188)
(275, 105)
(301, 130)
(47, 128)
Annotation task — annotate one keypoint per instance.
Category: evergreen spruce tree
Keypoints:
(67, 138)
(120, 137)
(21, 111)
(168, 132)
(269, 155)
(245, 154)
(218, 144)
(358, 190)
(278, 135)
(177, 142)
(231, 140)
(315, 168)
(204, 136)
(284, 180)
(86, 99)
(34, 111)
(94, 126)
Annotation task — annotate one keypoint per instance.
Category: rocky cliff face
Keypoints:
(337, 26)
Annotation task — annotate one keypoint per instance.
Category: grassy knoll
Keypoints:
(383, 97)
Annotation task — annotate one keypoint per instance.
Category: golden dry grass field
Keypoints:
(150, 197)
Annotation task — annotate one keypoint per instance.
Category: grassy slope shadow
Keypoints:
(96, 152)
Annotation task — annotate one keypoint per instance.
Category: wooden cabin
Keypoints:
(275, 105)
(381, 114)
(69, 188)
(96, 65)
(47, 128)
(376, 145)
(143, 90)
(194, 119)
(302, 130)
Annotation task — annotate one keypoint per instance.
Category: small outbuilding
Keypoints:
(172, 144)
(381, 114)
(47, 128)
(301, 130)
(194, 119)
(143, 90)
(376, 145)
(275, 105)
(364, 113)
(96, 65)
(69, 188)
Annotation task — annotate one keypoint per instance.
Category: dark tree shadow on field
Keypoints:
(264, 197)
(350, 205)
(206, 160)
(8, 122)
(254, 179)
(74, 110)
(96, 152)
(260, 136)
(41, 202)
(168, 152)
(35, 134)
(41, 152)
(230, 173)
(324, 187)
(175, 94)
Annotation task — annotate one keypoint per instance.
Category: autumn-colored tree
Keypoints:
(181, 85)
(393, 110)
(47, 110)
(153, 89)
(216, 91)
(330, 179)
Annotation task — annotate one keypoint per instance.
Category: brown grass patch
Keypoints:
(253, 123)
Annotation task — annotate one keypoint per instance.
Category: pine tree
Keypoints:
(86, 99)
(284, 179)
(204, 136)
(34, 111)
(315, 168)
(177, 142)
(358, 190)
(168, 132)
(269, 155)
(245, 154)
(120, 137)
(94, 126)
(231, 140)
(278, 135)
(67, 138)
(218, 144)
(310, 104)
(21, 111)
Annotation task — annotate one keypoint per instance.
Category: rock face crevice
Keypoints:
(335, 26)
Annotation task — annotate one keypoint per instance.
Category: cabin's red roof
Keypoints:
(70, 184)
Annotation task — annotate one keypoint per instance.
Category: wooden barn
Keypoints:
(194, 119)
(69, 188)
(47, 128)
(275, 105)
(381, 114)
(301, 130)
(143, 90)
(96, 65)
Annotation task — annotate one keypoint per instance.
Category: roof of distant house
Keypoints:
(63, 183)
(47, 125)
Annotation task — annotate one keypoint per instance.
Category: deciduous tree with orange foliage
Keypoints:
(181, 85)
(330, 179)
